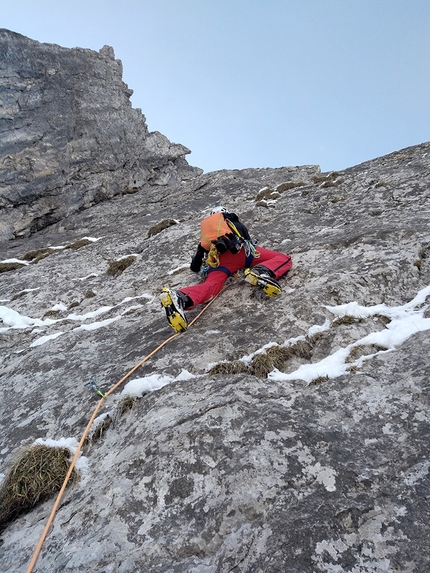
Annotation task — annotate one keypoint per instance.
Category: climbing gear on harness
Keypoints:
(174, 304)
(248, 245)
(92, 385)
(261, 276)
(212, 258)
(204, 270)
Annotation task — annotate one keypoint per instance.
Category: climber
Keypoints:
(225, 248)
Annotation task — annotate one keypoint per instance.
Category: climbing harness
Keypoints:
(88, 427)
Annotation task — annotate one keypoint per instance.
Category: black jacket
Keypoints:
(197, 260)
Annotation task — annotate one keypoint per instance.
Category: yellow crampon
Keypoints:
(269, 286)
(212, 258)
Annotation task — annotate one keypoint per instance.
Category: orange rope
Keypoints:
(87, 429)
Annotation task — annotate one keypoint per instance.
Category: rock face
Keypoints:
(69, 137)
(275, 435)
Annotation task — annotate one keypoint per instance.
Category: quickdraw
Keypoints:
(92, 385)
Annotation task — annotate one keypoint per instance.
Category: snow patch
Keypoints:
(136, 388)
(14, 319)
(59, 306)
(24, 263)
(406, 320)
(44, 339)
(97, 325)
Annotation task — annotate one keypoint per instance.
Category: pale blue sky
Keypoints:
(259, 83)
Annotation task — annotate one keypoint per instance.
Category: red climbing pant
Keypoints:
(229, 264)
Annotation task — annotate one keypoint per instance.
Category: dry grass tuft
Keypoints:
(37, 255)
(116, 268)
(319, 380)
(125, 405)
(383, 319)
(346, 319)
(261, 365)
(279, 355)
(158, 227)
(236, 367)
(78, 244)
(52, 314)
(313, 338)
(289, 185)
(38, 472)
(6, 267)
(101, 429)
(267, 193)
(330, 180)
(303, 349)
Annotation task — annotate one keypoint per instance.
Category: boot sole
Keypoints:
(175, 319)
(271, 288)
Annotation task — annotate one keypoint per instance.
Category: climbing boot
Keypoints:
(173, 303)
(263, 277)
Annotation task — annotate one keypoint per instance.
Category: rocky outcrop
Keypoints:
(69, 137)
(287, 434)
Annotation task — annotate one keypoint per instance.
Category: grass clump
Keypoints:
(78, 244)
(100, 430)
(52, 314)
(319, 380)
(346, 319)
(261, 365)
(6, 267)
(116, 268)
(266, 194)
(37, 255)
(383, 319)
(37, 473)
(289, 185)
(330, 180)
(236, 367)
(125, 405)
(331, 183)
(158, 227)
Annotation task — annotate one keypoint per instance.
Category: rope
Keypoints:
(87, 429)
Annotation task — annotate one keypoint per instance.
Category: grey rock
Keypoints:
(69, 137)
(241, 470)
